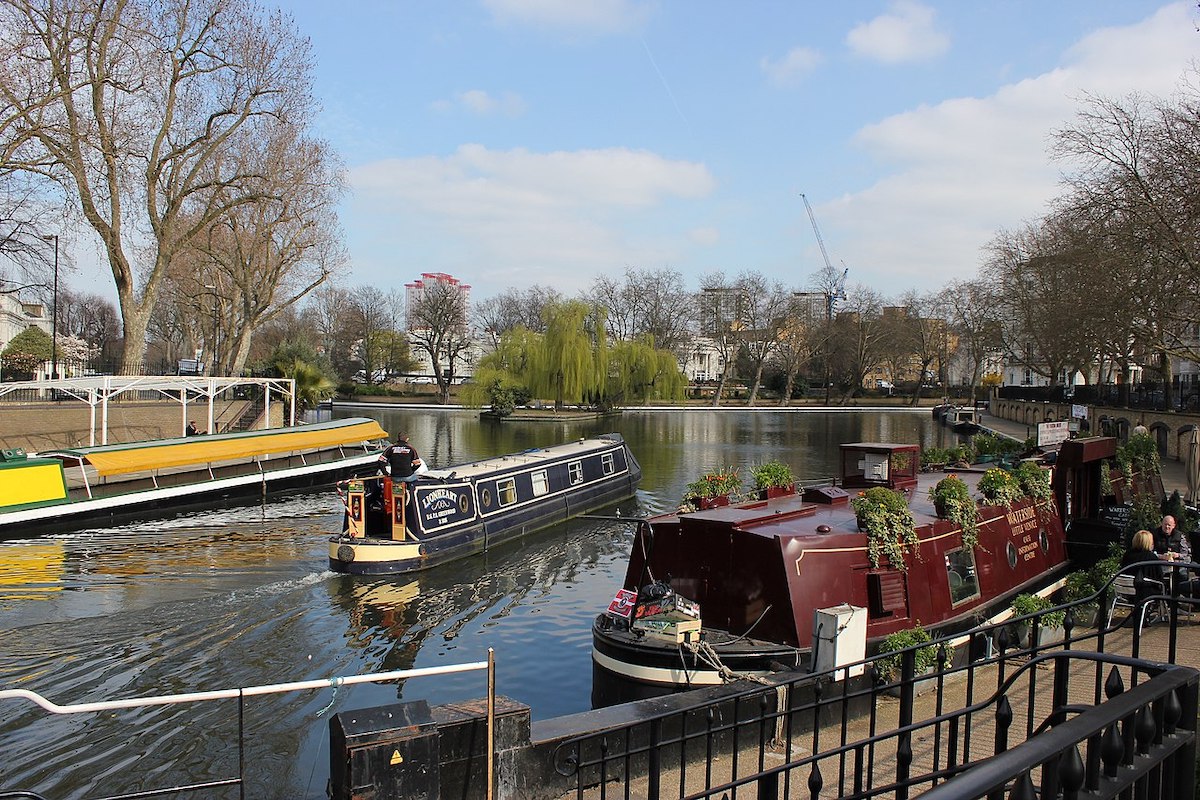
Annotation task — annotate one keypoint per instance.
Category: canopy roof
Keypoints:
(118, 459)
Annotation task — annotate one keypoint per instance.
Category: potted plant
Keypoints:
(890, 660)
(884, 515)
(952, 501)
(1034, 481)
(713, 488)
(1080, 588)
(1050, 622)
(999, 487)
(773, 479)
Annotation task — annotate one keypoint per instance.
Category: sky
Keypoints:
(513, 143)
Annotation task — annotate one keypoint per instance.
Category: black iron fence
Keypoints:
(1146, 396)
(1014, 715)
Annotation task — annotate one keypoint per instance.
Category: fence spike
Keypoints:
(1114, 685)
(1172, 711)
(1112, 750)
(1144, 729)
(815, 782)
(1023, 789)
(1071, 773)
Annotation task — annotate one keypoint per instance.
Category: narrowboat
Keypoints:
(443, 515)
(961, 419)
(96, 486)
(742, 590)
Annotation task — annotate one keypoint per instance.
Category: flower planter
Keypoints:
(776, 491)
(706, 503)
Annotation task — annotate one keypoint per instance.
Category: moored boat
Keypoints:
(752, 578)
(89, 486)
(447, 514)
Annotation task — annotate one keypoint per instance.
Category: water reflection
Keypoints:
(243, 597)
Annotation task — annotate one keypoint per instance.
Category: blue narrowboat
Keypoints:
(444, 515)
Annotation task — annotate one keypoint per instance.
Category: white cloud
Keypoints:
(906, 33)
(965, 168)
(522, 216)
(583, 16)
(481, 103)
(793, 67)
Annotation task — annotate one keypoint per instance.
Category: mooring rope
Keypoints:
(705, 652)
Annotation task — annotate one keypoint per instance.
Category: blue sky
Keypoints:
(522, 142)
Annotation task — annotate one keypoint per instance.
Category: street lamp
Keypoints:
(54, 311)
(216, 326)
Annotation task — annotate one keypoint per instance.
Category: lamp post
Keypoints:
(54, 311)
(216, 326)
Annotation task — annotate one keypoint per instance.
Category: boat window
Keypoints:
(1011, 552)
(1044, 540)
(540, 484)
(575, 468)
(485, 498)
(606, 462)
(964, 581)
(506, 491)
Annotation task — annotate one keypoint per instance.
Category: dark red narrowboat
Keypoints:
(752, 577)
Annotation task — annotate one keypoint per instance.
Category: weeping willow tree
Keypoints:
(572, 363)
(639, 371)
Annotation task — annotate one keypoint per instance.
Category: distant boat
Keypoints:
(93, 486)
(447, 514)
(962, 419)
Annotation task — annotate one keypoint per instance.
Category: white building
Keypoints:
(16, 316)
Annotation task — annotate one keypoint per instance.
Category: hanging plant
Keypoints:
(885, 517)
(952, 501)
(999, 487)
(1034, 480)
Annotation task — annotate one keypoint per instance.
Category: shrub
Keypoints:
(926, 657)
(715, 483)
(884, 514)
(999, 487)
(772, 475)
(952, 500)
(1024, 604)
(1034, 481)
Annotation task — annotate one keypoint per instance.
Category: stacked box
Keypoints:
(670, 607)
(676, 631)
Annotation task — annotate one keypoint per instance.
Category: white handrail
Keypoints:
(249, 691)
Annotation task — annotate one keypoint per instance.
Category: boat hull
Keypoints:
(172, 500)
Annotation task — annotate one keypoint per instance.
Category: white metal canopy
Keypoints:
(97, 391)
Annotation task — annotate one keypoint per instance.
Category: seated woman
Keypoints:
(1147, 567)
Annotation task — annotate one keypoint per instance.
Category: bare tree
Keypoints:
(858, 337)
(437, 320)
(648, 302)
(974, 325)
(130, 108)
(722, 312)
(765, 310)
(512, 309)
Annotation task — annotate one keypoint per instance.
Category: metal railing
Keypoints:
(240, 695)
(1016, 708)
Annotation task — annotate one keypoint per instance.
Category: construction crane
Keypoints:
(837, 288)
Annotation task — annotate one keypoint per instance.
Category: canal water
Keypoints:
(243, 597)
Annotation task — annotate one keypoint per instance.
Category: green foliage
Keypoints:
(1025, 603)
(1079, 584)
(890, 661)
(312, 384)
(952, 500)
(931, 456)
(1146, 513)
(1034, 481)
(772, 474)
(720, 482)
(1103, 570)
(884, 514)
(999, 487)
(992, 445)
(638, 371)
(1139, 454)
(25, 352)
(569, 363)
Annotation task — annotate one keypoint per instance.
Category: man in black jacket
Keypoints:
(402, 459)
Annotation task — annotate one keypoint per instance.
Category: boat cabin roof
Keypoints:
(530, 458)
(116, 459)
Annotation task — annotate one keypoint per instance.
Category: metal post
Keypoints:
(491, 724)
(54, 311)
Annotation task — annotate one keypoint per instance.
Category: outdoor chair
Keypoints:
(1125, 596)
